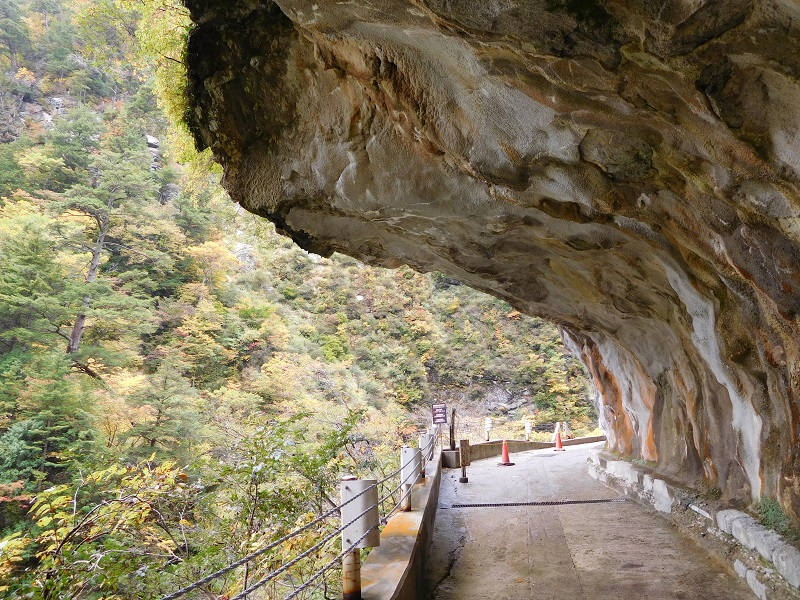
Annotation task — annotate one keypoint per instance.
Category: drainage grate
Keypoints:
(550, 503)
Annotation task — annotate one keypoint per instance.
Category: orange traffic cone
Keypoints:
(558, 447)
(506, 462)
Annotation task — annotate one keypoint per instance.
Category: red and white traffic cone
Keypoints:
(506, 461)
(558, 447)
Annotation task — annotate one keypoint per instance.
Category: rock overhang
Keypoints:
(631, 175)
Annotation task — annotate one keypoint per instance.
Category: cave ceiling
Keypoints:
(626, 169)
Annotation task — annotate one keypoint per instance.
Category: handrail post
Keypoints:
(433, 432)
(367, 523)
(351, 575)
(453, 430)
(409, 469)
(424, 440)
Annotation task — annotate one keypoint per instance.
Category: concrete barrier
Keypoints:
(492, 448)
(395, 569)
(769, 544)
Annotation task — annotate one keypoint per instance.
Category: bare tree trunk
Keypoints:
(94, 266)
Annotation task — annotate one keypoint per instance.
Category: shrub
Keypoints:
(772, 515)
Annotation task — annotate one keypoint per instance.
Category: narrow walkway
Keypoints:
(593, 551)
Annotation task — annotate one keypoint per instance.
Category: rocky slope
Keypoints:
(626, 169)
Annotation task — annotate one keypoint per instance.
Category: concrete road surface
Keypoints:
(597, 551)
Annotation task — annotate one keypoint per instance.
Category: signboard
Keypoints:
(439, 412)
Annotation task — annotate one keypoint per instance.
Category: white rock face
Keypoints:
(630, 171)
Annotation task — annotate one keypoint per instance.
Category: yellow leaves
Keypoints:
(287, 375)
(21, 204)
(453, 305)
(275, 331)
(36, 26)
(25, 76)
(44, 521)
(104, 475)
(557, 387)
(50, 501)
(536, 361)
(11, 550)
(74, 263)
(115, 415)
(213, 260)
(165, 545)
(161, 37)
(39, 164)
(131, 509)
(125, 382)
(305, 518)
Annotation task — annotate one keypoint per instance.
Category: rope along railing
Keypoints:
(371, 514)
(399, 503)
(408, 476)
(326, 568)
(288, 565)
(250, 557)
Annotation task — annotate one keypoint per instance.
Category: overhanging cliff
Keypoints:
(627, 169)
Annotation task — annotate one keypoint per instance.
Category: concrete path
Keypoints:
(602, 551)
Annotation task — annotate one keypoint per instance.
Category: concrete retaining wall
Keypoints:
(395, 569)
(492, 448)
(771, 546)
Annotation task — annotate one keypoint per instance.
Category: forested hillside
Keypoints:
(179, 384)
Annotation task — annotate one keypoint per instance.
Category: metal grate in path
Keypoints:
(548, 503)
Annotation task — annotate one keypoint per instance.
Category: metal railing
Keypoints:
(385, 499)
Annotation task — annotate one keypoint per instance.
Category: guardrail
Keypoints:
(395, 570)
(366, 505)
(492, 448)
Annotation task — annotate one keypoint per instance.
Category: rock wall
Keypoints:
(627, 169)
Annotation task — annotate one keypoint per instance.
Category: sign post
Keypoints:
(453, 430)
(465, 460)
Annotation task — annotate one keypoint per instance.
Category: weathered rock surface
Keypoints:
(630, 170)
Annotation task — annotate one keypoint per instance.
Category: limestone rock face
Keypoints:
(628, 169)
